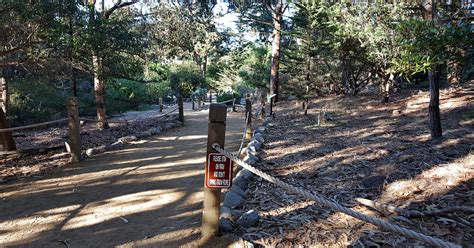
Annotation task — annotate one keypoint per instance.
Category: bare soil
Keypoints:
(363, 148)
(144, 194)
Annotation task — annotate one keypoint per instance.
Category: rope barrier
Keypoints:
(322, 201)
(243, 136)
(32, 125)
(112, 121)
(226, 101)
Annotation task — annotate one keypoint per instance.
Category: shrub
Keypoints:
(185, 78)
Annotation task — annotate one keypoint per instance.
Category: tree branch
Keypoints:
(117, 6)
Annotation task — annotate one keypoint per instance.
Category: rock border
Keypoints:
(173, 122)
(231, 214)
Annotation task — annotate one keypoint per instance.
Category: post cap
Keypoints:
(217, 112)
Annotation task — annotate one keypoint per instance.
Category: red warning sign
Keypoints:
(218, 171)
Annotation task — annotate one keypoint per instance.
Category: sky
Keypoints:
(226, 21)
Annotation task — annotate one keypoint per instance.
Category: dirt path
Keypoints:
(148, 193)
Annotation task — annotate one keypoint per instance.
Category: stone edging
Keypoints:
(128, 139)
(232, 216)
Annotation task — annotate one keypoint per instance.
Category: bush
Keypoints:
(226, 96)
(185, 78)
(155, 90)
(33, 102)
(123, 95)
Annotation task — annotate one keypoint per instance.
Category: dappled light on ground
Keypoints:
(147, 192)
(380, 152)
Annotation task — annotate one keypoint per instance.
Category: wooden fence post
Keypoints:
(248, 115)
(212, 196)
(160, 103)
(270, 109)
(74, 130)
(306, 106)
(233, 102)
(181, 109)
(6, 137)
(192, 100)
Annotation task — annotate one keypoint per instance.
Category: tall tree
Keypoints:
(96, 21)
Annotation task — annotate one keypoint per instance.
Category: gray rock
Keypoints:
(255, 144)
(261, 129)
(127, 139)
(233, 200)
(244, 173)
(238, 190)
(259, 137)
(226, 225)
(240, 182)
(116, 144)
(95, 150)
(254, 153)
(373, 182)
(157, 130)
(144, 134)
(250, 148)
(250, 160)
(292, 98)
(248, 219)
(168, 126)
(226, 213)
(251, 157)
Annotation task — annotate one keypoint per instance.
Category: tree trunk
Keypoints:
(385, 87)
(99, 93)
(346, 72)
(435, 117)
(277, 23)
(204, 66)
(454, 73)
(6, 138)
(5, 95)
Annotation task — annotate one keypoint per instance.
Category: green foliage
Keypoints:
(157, 72)
(32, 101)
(225, 96)
(185, 78)
(198, 93)
(156, 90)
(255, 67)
(123, 94)
(425, 45)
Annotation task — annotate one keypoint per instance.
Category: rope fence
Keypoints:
(42, 124)
(126, 121)
(33, 125)
(247, 116)
(324, 202)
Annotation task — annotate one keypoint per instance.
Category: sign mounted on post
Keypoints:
(218, 171)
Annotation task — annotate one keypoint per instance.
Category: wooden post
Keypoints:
(192, 104)
(434, 113)
(248, 115)
(74, 130)
(160, 103)
(6, 137)
(233, 102)
(306, 106)
(181, 109)
(270, 110)
(212, 196)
